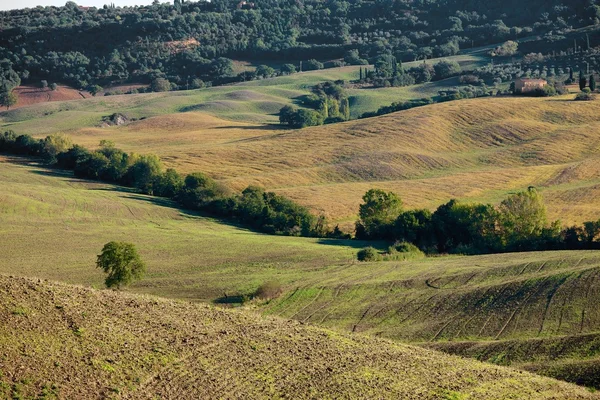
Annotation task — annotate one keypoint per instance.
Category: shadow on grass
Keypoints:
(355, 244)
(58, 173)
(237, 299)
(261, 127)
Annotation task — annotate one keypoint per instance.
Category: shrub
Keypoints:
(403, 251)
(312, 65)
(367, 254)
(269, 290)
(585, 95)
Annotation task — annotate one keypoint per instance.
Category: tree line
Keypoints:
(187, 41)
(254, 207)
(519, 223)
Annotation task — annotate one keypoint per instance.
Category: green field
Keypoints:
(53, 226)
(255, 102)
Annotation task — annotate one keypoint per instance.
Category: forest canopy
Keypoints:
(188, 42)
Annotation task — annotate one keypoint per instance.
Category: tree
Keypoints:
(8, 98)
(522, 217)
(160, 85)
(122, 264)
(313, 64)
(592, 83)
(55, 144)
(377, 214)
(345, 108)
(285, 115)
(53, 86)
(582, 80)
(94, 89)
(287, 69)
(508, 49)
(264, 71)
(144, 172)
(446, 69)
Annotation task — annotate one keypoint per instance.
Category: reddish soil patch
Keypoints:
(29, 95)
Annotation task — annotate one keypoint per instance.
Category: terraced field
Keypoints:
(61, 341)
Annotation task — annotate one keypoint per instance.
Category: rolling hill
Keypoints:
(535, 311)
(60, 341)
(479, 149)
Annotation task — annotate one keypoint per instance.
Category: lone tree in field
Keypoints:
(122, 263)
(8, 98)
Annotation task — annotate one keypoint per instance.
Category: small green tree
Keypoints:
(8, 98)
(122, 263)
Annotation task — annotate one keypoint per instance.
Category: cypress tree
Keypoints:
(582, 80)
(571, 77)
(592, 83)
(361, 74)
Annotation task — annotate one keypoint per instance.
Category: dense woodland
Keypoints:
(190, 44)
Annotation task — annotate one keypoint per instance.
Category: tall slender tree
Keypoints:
(582, 80)
(592, 83)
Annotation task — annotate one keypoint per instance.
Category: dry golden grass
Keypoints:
(59, 341)
(478, 149)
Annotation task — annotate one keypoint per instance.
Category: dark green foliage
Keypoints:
(377, 214)
(585, 95)
(517, 224)
(8, 98)
(143, 172)
(312, 65)
(367, 254)
(167, 184)
(300, 118)
(287, 69)
(122, 264)
(394, 107)
(592, 83)
(582, 80)
(414, 226)
(107, 45)
(446, 69)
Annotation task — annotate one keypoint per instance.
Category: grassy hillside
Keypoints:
(478, 149)
(254, 101)
(53, 226)
(61, 341)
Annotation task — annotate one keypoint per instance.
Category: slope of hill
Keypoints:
(71, 342)
(531, 310)
(53, 226)
(478, 149)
